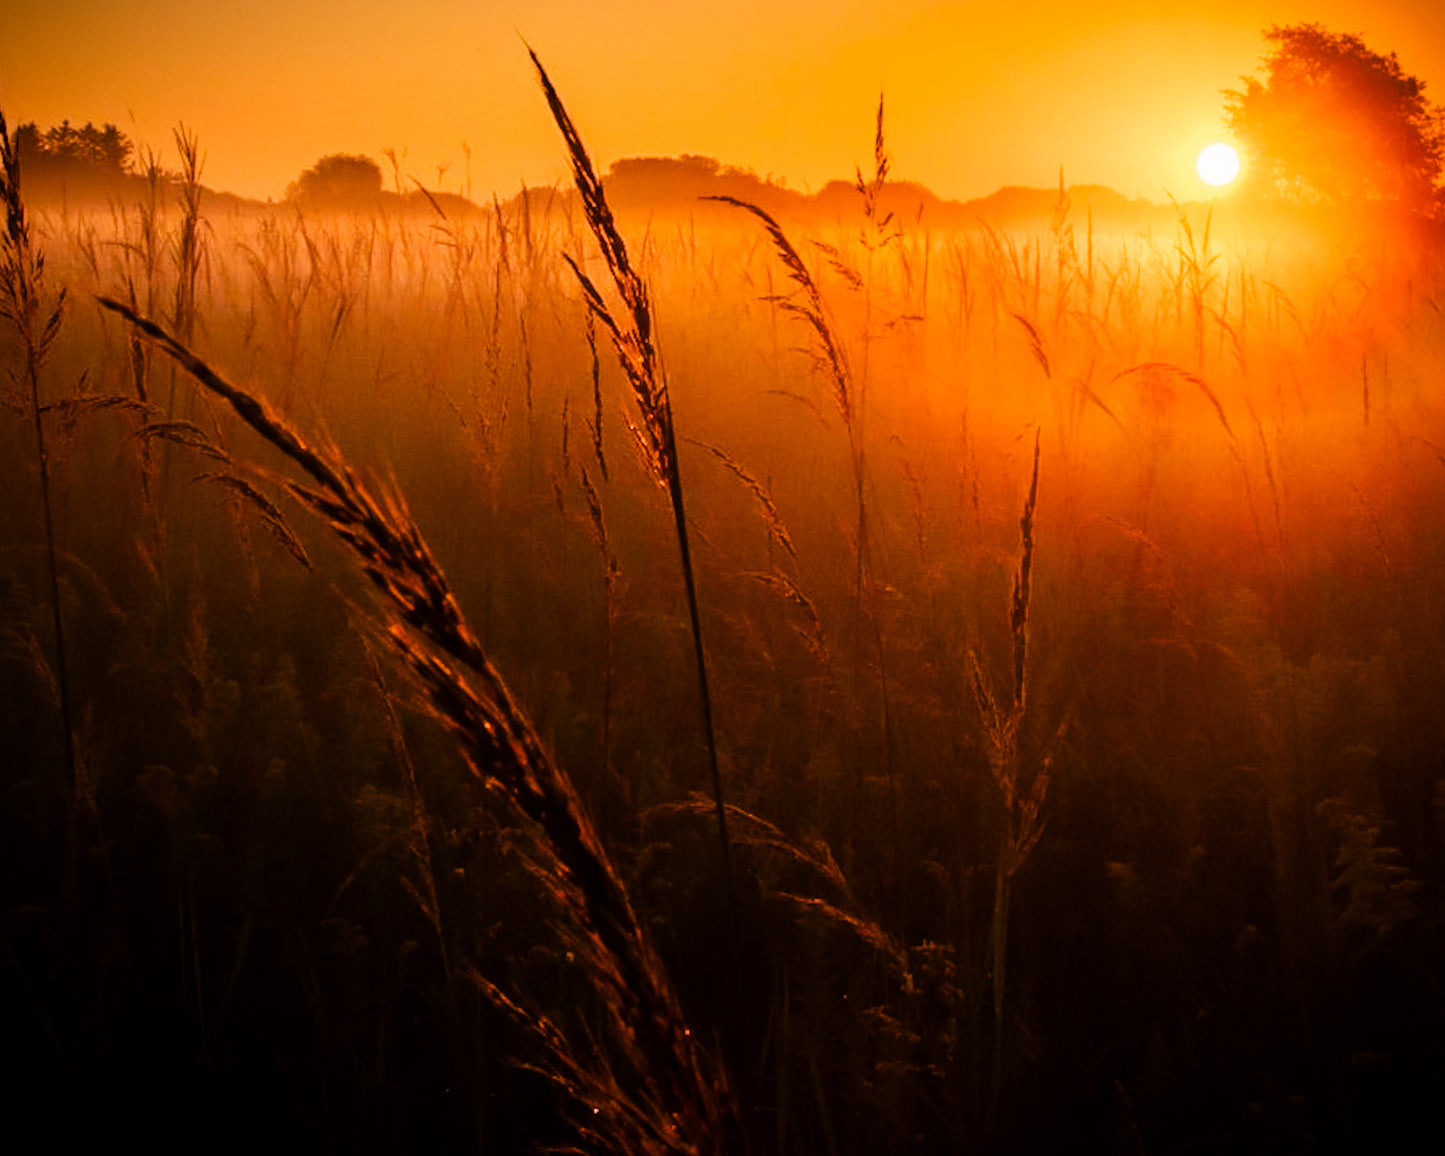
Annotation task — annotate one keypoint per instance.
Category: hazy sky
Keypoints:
(979, 95)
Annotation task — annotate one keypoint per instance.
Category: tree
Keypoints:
(338, 180)
(1333, 122)
(66, 151)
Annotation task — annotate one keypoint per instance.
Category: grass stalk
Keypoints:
(598, 526)
(632, 340)
(188, 251)
(830, 356)
(1023, 821)
(36, 324)
(677, 1102)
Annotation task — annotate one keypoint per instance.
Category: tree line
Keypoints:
(1327, 121)
(64, 150)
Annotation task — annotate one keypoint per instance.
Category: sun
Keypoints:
(1218, 164)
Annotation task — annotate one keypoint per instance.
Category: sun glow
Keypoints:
(1217, 165)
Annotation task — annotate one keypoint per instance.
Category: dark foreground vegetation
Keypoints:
(726, 683)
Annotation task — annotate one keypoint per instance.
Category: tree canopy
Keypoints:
(64, 150)
(1331, 121)
(338, 180)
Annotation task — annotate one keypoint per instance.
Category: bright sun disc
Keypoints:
(1217, 165)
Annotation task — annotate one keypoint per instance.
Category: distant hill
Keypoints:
(665, 186)
(673, 184)
(1014, 204)
(81, 190)
(673, 187)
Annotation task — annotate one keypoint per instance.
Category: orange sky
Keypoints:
(979, 95)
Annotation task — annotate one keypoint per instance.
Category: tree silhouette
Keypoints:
(1333, 122)
(64, 151)
(339, 180)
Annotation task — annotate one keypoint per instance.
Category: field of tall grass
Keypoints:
(711, 681)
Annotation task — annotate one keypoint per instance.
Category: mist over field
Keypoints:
(690, 665)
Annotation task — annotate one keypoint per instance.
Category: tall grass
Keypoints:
(1022, 794)
(637, 354)
(1160, 821)
(188, 249)
(680, 1106)
(36, 320)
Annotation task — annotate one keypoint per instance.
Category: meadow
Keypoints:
(1068, 771)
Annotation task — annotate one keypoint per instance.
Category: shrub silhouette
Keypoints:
(338, 180)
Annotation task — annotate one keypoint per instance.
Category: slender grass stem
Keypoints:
(22, 289)
(632, 339)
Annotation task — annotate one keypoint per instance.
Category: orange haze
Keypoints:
(979, 95)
